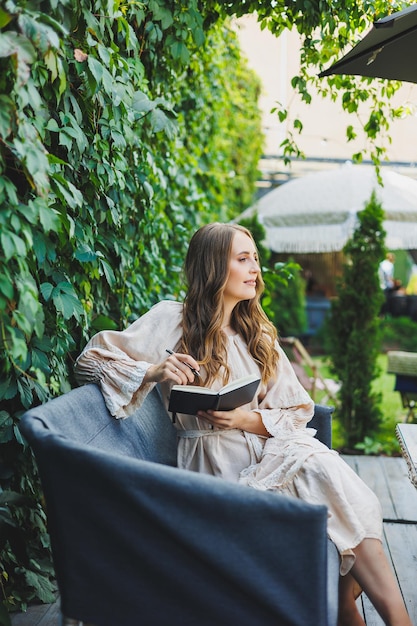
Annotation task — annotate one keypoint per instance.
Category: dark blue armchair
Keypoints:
(138, 542)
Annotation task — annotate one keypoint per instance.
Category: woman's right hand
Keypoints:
(176, 368)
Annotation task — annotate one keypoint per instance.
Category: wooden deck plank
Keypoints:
(403, 493)
(370, 615)
(402, 541)
(370, 470)
(53, 616)
(388, 478)
(38, 615)
(351, 461)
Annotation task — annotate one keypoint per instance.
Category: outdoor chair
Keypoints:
(307, 371)
(404, 366)
(137, 541)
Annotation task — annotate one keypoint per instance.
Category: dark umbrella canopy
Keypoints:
(389, 50)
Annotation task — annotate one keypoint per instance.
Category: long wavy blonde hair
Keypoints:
(206, 273)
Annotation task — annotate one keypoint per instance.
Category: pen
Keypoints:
(194, 371)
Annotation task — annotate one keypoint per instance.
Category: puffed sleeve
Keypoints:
(118, 360)
(284, 404)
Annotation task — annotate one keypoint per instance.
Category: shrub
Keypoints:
(399, 333)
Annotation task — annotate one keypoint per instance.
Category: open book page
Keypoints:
(190, 399)
(236, 384)
(194, 389)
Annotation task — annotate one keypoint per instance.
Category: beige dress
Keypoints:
(291, 461)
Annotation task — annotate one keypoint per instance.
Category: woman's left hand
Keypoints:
(250, 421)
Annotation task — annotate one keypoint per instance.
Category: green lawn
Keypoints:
(385, 441)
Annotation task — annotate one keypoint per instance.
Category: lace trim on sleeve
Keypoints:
(285, 420)
(120, 379)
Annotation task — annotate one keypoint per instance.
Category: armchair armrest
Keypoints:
(322, 422)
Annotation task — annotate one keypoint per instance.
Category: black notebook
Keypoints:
(189, 398)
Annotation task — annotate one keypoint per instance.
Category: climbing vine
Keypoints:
(123, 127)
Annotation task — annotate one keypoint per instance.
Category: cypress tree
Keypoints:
(354, 326)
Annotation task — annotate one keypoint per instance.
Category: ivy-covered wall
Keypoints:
(123, 127)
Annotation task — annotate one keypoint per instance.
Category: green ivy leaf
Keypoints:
(25, 391)
(350, 133)
(13, 43)
(103, 322)
(298, 125)
(180, 51)
(12, 497)
(66, 300)
(40, 361)
(46, 291)
(68, 305)
(6, 427)
(159, 120)
(44, 588)
(108, 272)
(7, 389)
(17, 434)
(85, 253)
(6, 285)
(49, 218)
(52, 125)
(8, 190)
(96, 68)
(7, 113)
(44, 36)
(161, 14)
(12, 245)
(5, 18)
(66, 191)
(141, 103)
(42, 343)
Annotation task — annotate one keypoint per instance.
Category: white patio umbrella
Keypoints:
(317, 213)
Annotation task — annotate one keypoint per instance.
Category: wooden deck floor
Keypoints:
(389, 480)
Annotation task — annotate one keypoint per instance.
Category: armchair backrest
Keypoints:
(81, 415)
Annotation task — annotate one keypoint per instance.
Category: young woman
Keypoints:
(222, 332)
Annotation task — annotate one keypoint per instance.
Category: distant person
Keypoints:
(386, 273)
(386, 280)
(312, 286)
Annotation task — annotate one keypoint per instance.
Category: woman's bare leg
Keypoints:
(373, 573)
(349, 591)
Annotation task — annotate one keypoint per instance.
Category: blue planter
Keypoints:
(317, 309)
